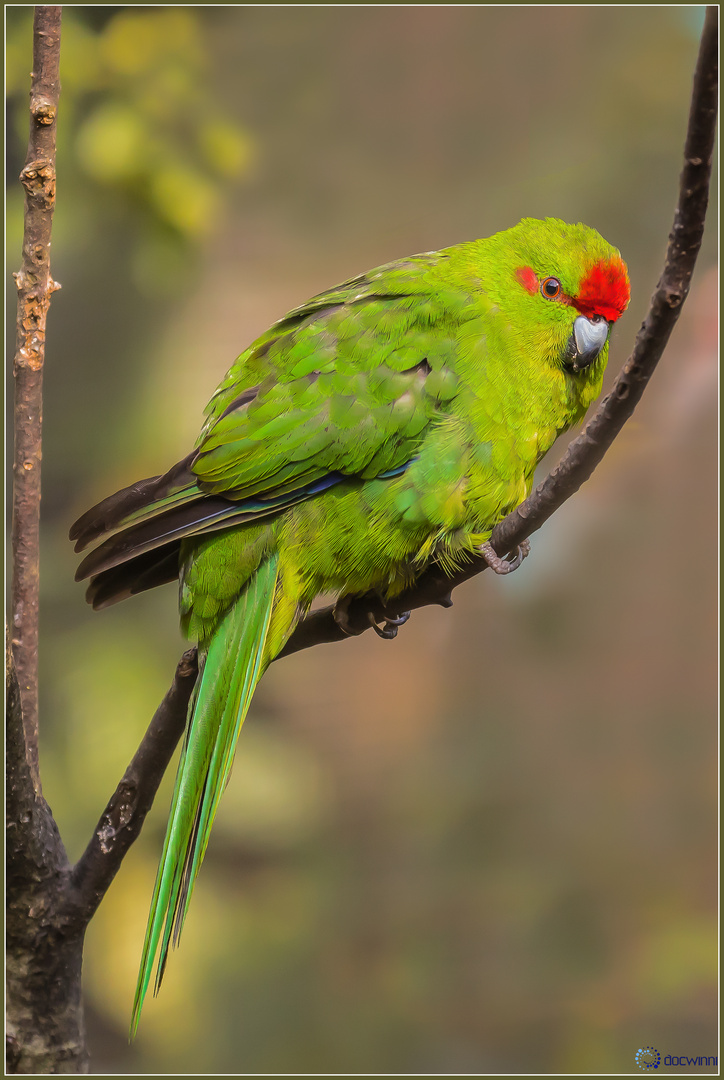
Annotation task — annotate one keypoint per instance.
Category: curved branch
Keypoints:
(123, 817)
(586, 451)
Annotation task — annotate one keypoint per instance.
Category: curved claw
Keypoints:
(388, 630)
(505, 565)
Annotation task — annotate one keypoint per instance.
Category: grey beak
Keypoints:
(585, 343)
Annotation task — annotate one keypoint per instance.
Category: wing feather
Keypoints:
(344, 386)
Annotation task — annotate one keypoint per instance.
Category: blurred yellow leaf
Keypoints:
(184, 198)
(113, 143)
(227, 149)
(137, 41)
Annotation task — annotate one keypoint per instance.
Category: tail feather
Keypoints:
(233, 665)
(185, 513)
(135, 502)
(192, 515)
(157, 567)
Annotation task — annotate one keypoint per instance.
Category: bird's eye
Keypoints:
(550, 288)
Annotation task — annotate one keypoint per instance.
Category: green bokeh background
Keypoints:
(489, 846)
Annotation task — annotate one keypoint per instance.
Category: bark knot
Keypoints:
(43, 110)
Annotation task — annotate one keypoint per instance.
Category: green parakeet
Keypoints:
(387, 423)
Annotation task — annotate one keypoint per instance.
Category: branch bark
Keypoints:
(44, 1029)
(35, 287)
(44, 948)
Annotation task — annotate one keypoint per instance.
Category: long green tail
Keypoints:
(231, 669)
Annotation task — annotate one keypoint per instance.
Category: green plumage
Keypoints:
(386, 423)
(230, 666)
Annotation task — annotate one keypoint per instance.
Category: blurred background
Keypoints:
(490, 845)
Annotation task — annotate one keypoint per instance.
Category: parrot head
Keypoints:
(563, 287)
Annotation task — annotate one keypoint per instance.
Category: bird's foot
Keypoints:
(390, 626)
(340, 613)
(505, 565)
(387, 630)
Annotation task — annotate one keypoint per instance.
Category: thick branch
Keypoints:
(44, 1022)
(124, 814)
(35, 287)
(33, 845)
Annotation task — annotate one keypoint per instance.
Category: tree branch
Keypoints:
(35, 287)
(33, 844)
(124, 814)
(121, 821)
(586, 451)
(44, 950)
(44, 1026)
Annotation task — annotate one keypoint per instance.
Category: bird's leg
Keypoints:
(505, 565)
(387, 630)
(340, 613)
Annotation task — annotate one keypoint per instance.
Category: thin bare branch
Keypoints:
(35, 287)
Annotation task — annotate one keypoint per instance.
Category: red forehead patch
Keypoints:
(604, 290)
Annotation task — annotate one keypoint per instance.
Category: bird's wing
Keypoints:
(345, 386)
